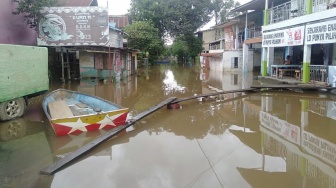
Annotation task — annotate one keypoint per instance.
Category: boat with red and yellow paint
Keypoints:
(72, 112)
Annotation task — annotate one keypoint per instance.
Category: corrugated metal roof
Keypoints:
(77, 3)
(120, 21)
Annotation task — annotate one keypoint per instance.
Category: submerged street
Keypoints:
(260, 139)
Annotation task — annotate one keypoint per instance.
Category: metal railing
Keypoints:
(215, 47)
(320, 5)
(319, 73)
(297, 8)
(253, 33)
(279, 13)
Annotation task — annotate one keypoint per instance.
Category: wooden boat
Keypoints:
(71, 112)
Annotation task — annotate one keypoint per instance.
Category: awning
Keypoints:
(253, 40)
(211, 54)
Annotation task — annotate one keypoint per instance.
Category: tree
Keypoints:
(222, 10)
(173, 17)
(186, 46)
(31, 10)
(180, 49)
(144, 36)
(148, 10)
(194, 45)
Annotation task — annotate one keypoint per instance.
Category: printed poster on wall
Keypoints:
(73, 26)
(323, 32)
(286, 37)
(117, 67)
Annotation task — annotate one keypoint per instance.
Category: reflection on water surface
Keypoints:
(260, 139)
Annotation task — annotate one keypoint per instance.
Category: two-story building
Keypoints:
(226, 42)
(303, 29)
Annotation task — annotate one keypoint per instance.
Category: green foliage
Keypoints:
(31, 9)
(173, 17)
(186, 46)
(180, 49)
(145, 37)
(222, 10)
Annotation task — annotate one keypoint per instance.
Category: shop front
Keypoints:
(279, 46)
(319, 51)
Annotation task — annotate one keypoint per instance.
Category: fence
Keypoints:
(252, 33)
(296, 8)
(319, 73)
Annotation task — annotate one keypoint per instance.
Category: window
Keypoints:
(234, 62)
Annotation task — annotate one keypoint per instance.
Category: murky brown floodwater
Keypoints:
(262, 139)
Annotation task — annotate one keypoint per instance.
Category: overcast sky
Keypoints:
(120, 7)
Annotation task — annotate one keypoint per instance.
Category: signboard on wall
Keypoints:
(73, 26)
(323, 32)
(286, 37)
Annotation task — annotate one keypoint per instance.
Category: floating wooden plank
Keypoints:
(292, 86)
(212, 94)
(74, 155)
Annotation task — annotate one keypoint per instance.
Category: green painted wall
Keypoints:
(306, 72)
(23, 71)
(266, 16)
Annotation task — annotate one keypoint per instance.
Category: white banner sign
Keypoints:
(280, 127)
(286, 37)
(324, 32)
(319, 147)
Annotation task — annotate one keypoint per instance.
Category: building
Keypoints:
(303, 29)
(87, 42)
(227, 41)
(82, 39)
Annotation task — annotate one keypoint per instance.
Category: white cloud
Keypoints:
(116, 7)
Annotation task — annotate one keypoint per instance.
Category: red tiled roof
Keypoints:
(75, 3)
(121, 21)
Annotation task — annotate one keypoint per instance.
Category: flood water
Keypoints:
(259, 139)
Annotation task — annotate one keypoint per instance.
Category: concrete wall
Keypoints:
(216, 63)
(87, 70)
(228, 58)
(208, 36)
(225, 62)
(13, 28)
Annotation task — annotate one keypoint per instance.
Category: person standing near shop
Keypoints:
(288, 60)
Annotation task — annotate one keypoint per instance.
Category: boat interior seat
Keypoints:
(59, 109)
